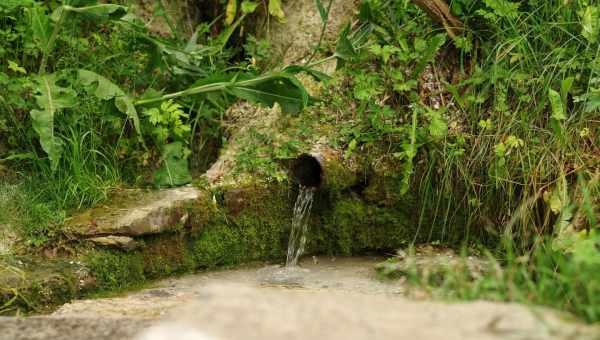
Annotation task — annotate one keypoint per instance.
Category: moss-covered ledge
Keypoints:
(222, 224)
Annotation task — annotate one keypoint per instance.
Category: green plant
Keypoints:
(233, 6)
(170, 130)
(545, 276)
(116, 270)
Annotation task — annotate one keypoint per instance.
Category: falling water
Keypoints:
(299, 225)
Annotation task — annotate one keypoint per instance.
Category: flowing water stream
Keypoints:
(299, 225)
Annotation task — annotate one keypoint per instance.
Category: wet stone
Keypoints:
(283, 276)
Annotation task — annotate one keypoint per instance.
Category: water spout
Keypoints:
(307, 170)
(326, 169)
(300, 218)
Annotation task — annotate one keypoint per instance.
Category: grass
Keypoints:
(544, 276)
(507, 133)
(25, 214)
(500, 125)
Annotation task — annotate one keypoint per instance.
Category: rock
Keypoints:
(333, 300)
(229, 311)
(296, 38)
(58, 328)
(137, 212)
(123, 242)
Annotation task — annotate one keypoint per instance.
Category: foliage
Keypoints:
(545, 276)
(246, 6)
(495, 118)
(500, 124)
(113, 102)
(116, 270)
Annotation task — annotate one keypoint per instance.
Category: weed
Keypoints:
(544, 276)
(80, 107)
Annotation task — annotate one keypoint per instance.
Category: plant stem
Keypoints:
(169, 21)
(205, 88)
(50, 45)
(323, 28)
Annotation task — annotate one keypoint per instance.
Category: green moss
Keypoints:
(116, 270)
(167, 254)
(34, 284)
(161, 255)
(339, 177)
(218, 245)
(384, 190)
(354, 227)
(246, 239)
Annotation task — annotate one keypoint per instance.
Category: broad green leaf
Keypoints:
(230, 12)
(43, 124)
(40, 25)
(277, 88)
(504, 8)
(351, 147)
(174, 169)
(585, 248)
(99, 11)
(249, 7)
(593, 102)
(344, 50)
(276, 10)
(13, 66)
(590, 23)
(317, 75)
(107, 90)
(51, 99)
(565, 88)
(268, 89)
(410, 151)
(365, 13)
(558, 108)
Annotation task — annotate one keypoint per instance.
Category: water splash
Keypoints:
(299, 225)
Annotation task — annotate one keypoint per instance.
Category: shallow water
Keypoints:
(356, 274)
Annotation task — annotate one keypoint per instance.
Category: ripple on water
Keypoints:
(292, 276)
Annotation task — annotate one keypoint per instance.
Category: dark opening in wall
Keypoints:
(307, 171)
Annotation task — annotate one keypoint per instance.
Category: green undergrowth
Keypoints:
(33, 285)
(92, 98)
(25, 214)
(500, 124)
(495, 132)
(545, 276)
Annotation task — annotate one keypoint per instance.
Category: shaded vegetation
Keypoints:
(87, 97)
(489, 138)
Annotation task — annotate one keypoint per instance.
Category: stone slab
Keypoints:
(135, 213)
